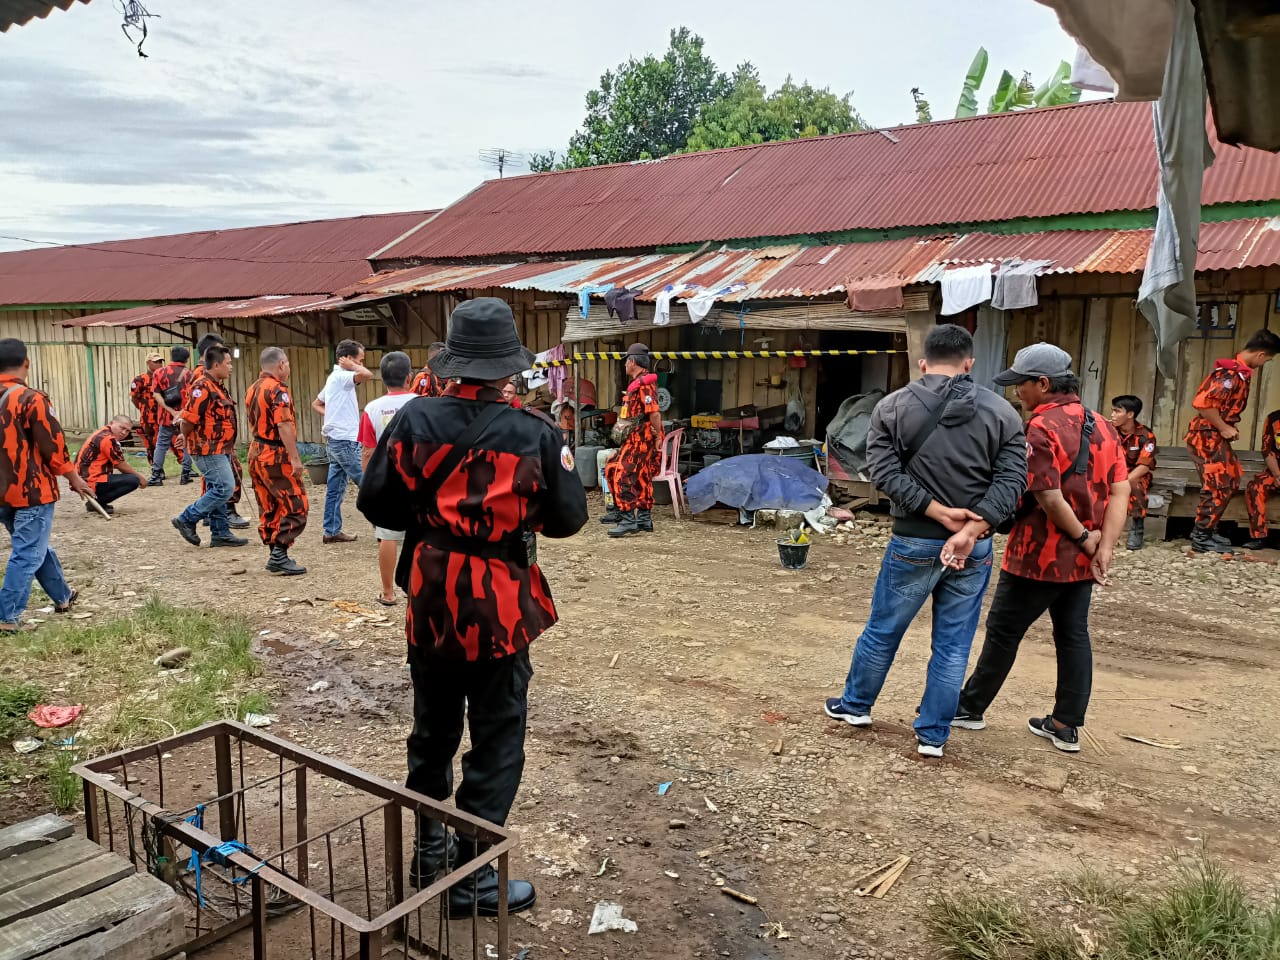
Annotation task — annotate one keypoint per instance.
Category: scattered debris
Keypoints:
(676, 824)
(48, 716)
(173, 658)
(608, 916)
(1188, 708)
(81, 616)
(614, 662)
(346, 606)
(664, 787)
(777, 748)
(671, 873)
(604, 865)
(27, 744)
(260, 719)
(773, 716)
(879, 881)
(238, 572)
(1095, 742)
(1151, 743)
(739, 896)
(1191, 769)
(710, 806)
(775, 930)
(318, 686)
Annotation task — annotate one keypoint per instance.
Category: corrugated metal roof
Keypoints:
(802, 273)
(317, 256)
(17, 12)
(1084, 158)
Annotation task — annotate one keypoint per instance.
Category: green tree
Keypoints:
(924, 113)
(647, 108)
(746, 115)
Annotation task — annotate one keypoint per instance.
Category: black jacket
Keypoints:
(976, 458)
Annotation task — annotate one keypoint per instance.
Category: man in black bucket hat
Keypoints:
(630, 473)
(465, 475)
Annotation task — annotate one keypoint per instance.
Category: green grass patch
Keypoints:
(66, 790)
(17, 697)
(128, 700)
(1204, 913)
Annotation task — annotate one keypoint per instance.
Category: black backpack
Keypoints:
(172, 395)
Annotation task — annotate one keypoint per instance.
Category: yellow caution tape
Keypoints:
(714, 355)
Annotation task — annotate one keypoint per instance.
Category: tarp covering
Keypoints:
(847, 432)
(756, 481)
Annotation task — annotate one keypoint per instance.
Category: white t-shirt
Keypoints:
(341, 408)
(378, 413)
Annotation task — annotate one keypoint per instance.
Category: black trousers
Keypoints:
(1018, 603)
(115, 487)
(493, 697)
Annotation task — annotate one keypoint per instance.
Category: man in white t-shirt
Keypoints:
(338, 404)
(396, 369)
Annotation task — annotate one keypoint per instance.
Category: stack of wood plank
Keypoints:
(65, 898)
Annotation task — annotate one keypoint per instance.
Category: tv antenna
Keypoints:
(501, 158)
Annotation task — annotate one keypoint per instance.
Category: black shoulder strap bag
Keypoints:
(924, 433)
(1079, 465)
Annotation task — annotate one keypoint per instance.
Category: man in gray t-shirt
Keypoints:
(340, 407)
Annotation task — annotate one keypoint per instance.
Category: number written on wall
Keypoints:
(1093, 369)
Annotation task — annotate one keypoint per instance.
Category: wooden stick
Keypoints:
(1188, 708)
(739, 896)
(614, 662)
(887, 871)
(891, 878)
(875, 871)
(1152, 743)
(96, 505)
(1094, 742)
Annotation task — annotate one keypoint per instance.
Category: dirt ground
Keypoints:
(722, 663)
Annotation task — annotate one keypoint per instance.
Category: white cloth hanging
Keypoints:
(965, 287)
(700, 303)
(1015, 284)
(662, 303)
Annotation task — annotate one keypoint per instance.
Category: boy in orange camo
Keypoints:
(426, 383)
(140, 392)
(1219, 403)
(1139, 444)
(275, 465)
(630, 473)
(1264, 484)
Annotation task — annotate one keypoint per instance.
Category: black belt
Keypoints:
(269, 443)
(509, 549)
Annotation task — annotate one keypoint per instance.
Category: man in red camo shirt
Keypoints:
(174, 373)
(1062, 543)
(1219, 404)
(1264, 484)
(465, 475)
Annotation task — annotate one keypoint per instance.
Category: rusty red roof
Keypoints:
(1083, 158)
(317, 256)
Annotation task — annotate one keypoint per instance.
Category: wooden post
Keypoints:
(300, 806)
(577, 402)
(226, 802)
(919, 323)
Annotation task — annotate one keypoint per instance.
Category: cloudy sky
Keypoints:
(249, 112)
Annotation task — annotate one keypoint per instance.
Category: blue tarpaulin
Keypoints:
(756, 481)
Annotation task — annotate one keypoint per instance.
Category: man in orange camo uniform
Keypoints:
(275, 466)
(1219, 403)
(1264, 484)
(33, 454)
(208, 420)
(143, 397)
(426, 383)
(1139, 443)
(234, 520)
(630, 473)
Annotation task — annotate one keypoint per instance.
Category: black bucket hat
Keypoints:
(640, 354)
(482, 343)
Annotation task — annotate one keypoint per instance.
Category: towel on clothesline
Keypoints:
(1015, 284)
(965, 287)
(662, 302)
(700, 303)
(621, 303)
(584, 296)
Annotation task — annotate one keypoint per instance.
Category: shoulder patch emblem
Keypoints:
(566, 457)
(195, 392)
(284, 398)
(1150, 448)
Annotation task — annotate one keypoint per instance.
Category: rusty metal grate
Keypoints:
(272, 842)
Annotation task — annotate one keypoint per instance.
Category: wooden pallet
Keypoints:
(65, 898)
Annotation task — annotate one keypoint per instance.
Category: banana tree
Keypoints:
(1014, 94)
(968, 105)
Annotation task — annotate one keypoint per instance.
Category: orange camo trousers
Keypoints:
(630, 473)
(1220, 475)
(1138, 497)
(282, 499)
(1255, 497)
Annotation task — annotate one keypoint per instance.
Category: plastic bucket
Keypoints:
(793, 556)
(588, 470)
(318, 470)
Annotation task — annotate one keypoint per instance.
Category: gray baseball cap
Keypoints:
(1037, 360)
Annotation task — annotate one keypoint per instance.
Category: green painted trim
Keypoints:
(93, 381)
(1114, 220)
(122, 305)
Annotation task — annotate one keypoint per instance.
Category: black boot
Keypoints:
(432, 853)
(280, 562)
(1136, 534)
(611, 516)
(234, 520)
(479, 892)
(227, 540)
(628, 523)
(1203, 541)
(644, 520)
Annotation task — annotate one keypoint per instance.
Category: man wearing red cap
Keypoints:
(630, 473)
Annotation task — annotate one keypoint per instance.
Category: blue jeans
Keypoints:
(164, 439)
(221, 484)
(344, 465)
(910, 573)
(30, 556)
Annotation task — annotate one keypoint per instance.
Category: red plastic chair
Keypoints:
(669, 470)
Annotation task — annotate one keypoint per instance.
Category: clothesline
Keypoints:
(713, 355)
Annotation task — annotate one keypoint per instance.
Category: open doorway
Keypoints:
(842, 377)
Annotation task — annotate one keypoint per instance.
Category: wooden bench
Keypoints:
(1177, 481)
(65, 898)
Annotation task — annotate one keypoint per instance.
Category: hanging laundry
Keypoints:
(584, 296)
(662, 302)
(556, 376)
(700, 304)
(965, 287)
(1015, 285)
(621, 303)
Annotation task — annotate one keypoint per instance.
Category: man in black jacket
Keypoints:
(951, 456)
(465, 476)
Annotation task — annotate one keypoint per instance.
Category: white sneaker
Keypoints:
(928, 749)
(836, 710)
